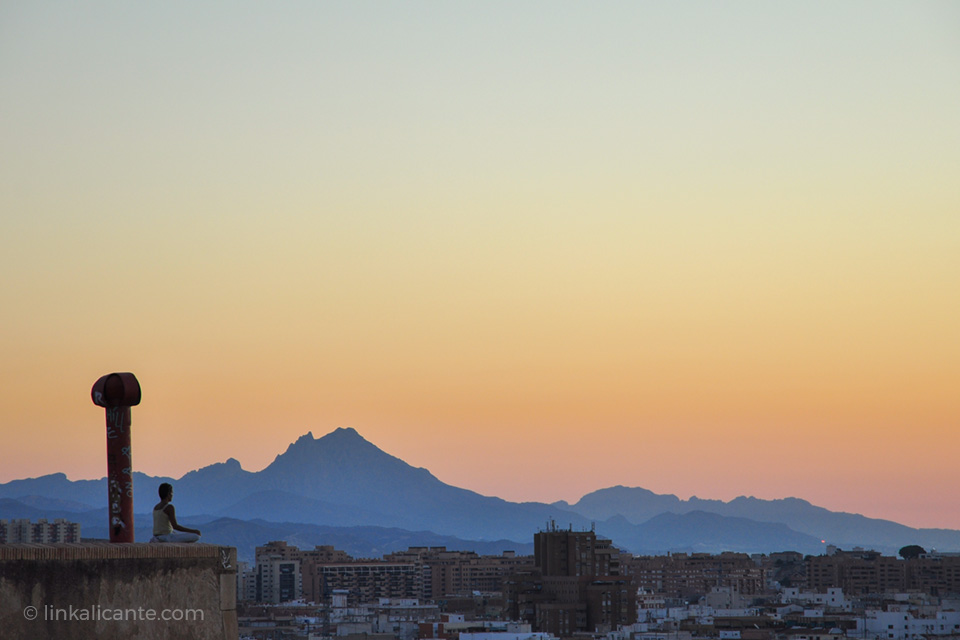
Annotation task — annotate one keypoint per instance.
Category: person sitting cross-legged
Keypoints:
(165, 520)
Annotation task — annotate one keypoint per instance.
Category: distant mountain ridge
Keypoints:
(342, 480)
(639, 505)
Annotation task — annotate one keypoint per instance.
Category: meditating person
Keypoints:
(165, 520)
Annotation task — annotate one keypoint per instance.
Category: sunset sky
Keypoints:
(538, 248)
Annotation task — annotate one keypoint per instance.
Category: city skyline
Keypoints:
(703, 250)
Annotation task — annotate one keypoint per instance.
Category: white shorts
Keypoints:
(175, 537)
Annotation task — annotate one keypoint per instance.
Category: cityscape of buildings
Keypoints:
(577, 584)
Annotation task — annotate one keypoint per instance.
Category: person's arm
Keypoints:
(172, 514)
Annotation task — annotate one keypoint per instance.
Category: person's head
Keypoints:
(166, 491)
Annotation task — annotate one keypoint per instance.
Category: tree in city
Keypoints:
(911, 551)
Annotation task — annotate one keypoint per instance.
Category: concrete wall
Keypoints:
(118, 591)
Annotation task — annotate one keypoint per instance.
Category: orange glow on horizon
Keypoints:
(601, 252)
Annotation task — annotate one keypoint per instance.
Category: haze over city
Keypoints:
(538, 249)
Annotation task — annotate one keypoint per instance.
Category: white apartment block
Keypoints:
(902, 625)
(277, 580)
(23, 531)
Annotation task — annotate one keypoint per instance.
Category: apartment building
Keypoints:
(41, 531)
(425, 573)
(936, 574)
(457, 573)
(276, 575)
(365, 581)
(575, 586)
(868, 572)
(680, 575)
(574, 553)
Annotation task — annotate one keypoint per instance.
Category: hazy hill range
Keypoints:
(342, 480)
(845, 530)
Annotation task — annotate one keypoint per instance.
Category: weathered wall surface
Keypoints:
(110, 591)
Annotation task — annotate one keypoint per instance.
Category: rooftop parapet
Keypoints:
(82, 591)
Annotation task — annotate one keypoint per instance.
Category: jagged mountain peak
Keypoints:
(341, 436)
(340, 461)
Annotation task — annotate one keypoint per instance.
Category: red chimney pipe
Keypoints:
(117, 392)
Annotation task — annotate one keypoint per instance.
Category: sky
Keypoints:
(538, 248)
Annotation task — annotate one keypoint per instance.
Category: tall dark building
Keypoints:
(576, 585)
(574, 554)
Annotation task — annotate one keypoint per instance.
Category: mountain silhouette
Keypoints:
(343, 480)
(639, 505)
